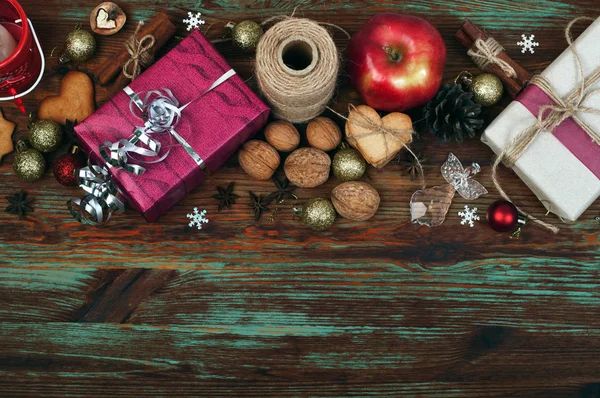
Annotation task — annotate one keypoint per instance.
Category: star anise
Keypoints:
(258, 204)
(411, 164)
(225, 197)
(19, 204)
(285, 190)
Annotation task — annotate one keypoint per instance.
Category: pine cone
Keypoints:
(452, 115)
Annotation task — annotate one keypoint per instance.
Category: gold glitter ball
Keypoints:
(487, 89)
(349, 165)
(45, 136)
(29, 164)
(80, 46)
(246, 34)
(318, 214)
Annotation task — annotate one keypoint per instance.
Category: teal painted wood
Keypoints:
(382, 308)
(219, 361)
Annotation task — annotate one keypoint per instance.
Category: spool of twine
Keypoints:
(297, 65)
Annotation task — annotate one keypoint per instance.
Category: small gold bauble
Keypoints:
(487, 89)
(80, 46)
(245, 34)
(29, 163)
(349, 165)
(318, 214)
(45, 136)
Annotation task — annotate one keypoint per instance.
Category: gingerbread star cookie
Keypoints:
(6, 130)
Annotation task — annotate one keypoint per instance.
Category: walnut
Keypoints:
(307, 167)
(322, 133)
(282, 135)
(107, 19)
(259, 159)
(355, 200)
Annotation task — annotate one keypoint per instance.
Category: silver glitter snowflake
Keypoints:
(197, 218)
(193, 21)
(528, 44)
(469, 216)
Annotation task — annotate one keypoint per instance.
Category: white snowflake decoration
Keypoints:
(197, 218)
(469, 216)
(193, 21)
(528, 44)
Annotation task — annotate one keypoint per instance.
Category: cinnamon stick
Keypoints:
(512, 86)
(160, 27)
(469, 33)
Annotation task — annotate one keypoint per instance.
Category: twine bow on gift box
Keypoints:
(161, 113)
(549, 117)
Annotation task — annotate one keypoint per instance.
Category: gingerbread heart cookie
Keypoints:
(6, 130)
(75, 102)
(378, 139)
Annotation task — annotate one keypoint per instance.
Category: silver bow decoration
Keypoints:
(101, 200)
(461, 178)
(161, 113)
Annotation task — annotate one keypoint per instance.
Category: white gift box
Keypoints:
(560, 180)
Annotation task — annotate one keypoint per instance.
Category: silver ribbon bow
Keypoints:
(101, 200)
(161, 113)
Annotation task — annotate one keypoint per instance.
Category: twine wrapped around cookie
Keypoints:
(297, 64)
(389, 135)
(485, 52)
(140, 53)
(551, 116)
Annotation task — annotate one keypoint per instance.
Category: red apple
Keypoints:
(396, 61)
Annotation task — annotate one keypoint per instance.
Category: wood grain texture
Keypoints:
(377, 308)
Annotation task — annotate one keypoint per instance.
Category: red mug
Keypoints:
(22, 71)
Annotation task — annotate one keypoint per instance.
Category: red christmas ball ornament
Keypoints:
(502, 216)
(66, 166)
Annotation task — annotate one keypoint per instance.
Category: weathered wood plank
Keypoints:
(243, 296)
(215, 360)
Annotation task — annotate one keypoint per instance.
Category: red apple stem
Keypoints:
(393, 54)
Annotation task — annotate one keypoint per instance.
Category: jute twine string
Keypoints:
(139, 51)
(379, 130)
(297, 96)
(485, 52)
(551, 116)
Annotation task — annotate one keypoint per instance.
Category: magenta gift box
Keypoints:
(215, 125)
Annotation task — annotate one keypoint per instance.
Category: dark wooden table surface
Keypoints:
(383, 307)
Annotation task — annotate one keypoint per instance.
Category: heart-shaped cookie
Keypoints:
(378, 139)
(75, 102)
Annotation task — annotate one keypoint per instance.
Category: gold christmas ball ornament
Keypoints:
(80, 46)
(318, 214)
(349, 165)
(245, 34)
(45, 136)
(29, 164)
(487, 89)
